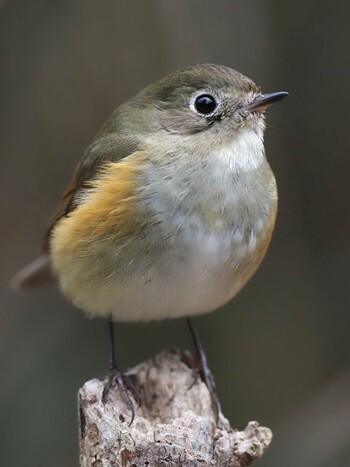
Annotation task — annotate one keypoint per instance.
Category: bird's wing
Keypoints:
(110, 148)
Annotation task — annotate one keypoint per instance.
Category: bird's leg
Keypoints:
(116, 377)
(203, 368)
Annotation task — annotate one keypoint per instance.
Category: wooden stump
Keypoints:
(174, 426)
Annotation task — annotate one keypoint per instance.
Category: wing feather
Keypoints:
(108, 148)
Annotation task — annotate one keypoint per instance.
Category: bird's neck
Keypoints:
(245, 152)
(230, 184)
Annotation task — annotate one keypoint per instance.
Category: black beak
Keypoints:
(264, 101)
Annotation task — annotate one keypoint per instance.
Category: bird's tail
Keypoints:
(35, 274)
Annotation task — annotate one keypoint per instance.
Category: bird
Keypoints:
(171, 209)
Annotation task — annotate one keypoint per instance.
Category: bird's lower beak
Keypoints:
(264, 101)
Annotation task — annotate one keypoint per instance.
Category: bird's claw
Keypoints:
(125, 384)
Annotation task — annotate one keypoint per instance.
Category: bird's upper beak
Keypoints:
(264, 101)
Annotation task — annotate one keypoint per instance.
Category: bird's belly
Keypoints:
(195, 277)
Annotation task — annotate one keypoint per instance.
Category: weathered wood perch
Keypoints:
(174, 426)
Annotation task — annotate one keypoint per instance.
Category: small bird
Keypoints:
(171, 209)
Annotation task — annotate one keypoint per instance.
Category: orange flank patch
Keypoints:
(262, 247)
(108, 211)
(253, 260)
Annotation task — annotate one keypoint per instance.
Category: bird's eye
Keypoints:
(205, 104)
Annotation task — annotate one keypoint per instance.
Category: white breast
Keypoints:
(200, 251)
(208, 273)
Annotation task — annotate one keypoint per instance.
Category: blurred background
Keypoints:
(280, 351)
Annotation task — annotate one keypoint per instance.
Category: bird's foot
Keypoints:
(126, 384)
(201, 369)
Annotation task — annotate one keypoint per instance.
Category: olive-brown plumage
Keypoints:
(172, 207)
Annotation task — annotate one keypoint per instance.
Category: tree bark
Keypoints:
(174, 425)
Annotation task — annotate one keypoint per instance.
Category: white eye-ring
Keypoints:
(204, 104)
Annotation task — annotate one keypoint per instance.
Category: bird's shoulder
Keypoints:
(110, 148)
